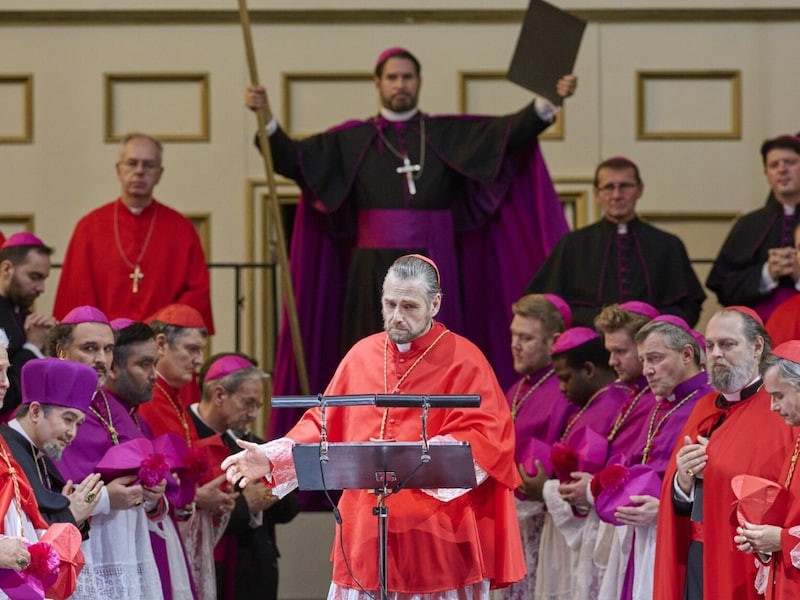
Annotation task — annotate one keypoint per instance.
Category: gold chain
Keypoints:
(108, 425)
(517, 402)
(176, 406)
(793, 463)
(653, 429)
(134, 266)
(624, 416)
(403, 377)
(579, 414)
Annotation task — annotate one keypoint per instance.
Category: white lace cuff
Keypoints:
(794, 553)
(449, 494)
(283, 474)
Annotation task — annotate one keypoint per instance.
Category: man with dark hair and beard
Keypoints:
(24, 266)
(730, 431)
(130, 384)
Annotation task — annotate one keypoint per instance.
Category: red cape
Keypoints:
(753, 440)
(453, 544)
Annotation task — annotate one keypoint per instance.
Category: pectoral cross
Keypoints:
(408, 170)
(136, 276)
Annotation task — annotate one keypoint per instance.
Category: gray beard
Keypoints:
(735, 378)
(53, 449)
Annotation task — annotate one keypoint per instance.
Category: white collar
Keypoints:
(395, 117)
(737, 395)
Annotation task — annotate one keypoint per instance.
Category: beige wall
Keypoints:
(68, 167)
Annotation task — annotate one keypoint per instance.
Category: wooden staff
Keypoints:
(283, 258)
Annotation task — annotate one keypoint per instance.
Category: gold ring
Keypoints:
(268, 496)
(690, 472)
(22, 562)
(90, 497)
(137, 503)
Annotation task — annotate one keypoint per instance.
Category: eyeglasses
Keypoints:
(131, 164)
(624, 187)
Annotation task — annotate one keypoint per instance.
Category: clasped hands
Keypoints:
(690, 462)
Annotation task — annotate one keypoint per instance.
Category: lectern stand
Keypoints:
(385, 467)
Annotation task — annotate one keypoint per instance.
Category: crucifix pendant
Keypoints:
(408, 170)
(136, 276)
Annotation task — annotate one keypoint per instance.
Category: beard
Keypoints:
(728, 378)
(53, 449)
(125, 388)
(405, 336)
(15, 294)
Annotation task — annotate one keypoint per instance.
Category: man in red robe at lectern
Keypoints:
(441, 543)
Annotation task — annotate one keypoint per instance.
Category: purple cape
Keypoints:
(503, 230)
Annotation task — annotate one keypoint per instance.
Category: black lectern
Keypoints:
(385, 467)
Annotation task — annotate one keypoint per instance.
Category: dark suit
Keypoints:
(12, 322)
(53, 505)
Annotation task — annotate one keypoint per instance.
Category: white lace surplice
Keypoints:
(119, 559)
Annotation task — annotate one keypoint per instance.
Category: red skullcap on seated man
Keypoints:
(179, 315)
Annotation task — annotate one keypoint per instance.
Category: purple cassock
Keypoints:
(484, 209)
(539, 409)
(632, 418)
(665, 422)
(81, 457)
(601, 410)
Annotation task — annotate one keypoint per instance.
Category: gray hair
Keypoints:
(675, 338)
(135, 135)
(752, 330)
(788, 370)
(408, 268)
(233, 381)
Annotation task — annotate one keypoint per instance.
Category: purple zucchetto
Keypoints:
(572, 338)
(22, 238)
(85, 314)
(226, 365)
(562, 307)
(640, 308)
(389, 52)
(678, 322)
(121, 323)
(58, 382)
